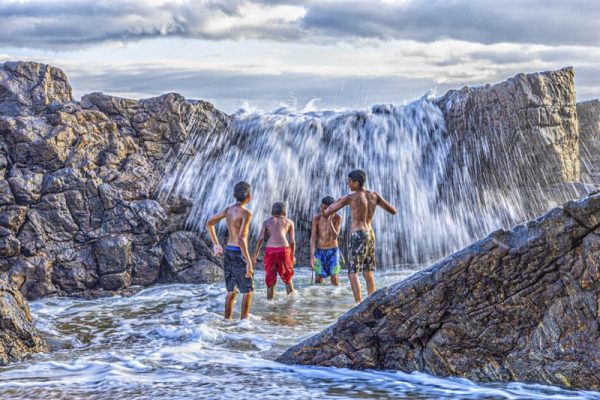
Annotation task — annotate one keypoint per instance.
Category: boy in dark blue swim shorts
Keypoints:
(325, 256)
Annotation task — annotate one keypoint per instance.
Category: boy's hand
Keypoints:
(312, 262)
(254, 260)
(217, 249)
(249, 270)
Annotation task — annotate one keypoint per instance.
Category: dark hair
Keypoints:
(328, 200)
(358, 175)
(278, 209)
(241, 191)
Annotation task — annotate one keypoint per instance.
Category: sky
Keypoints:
(268, 53)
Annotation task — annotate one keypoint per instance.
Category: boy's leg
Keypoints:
(229, 302)
(271, 291)
(370, 281)
(355, 284)
(246, 302)
(335, 280)
(289, 287)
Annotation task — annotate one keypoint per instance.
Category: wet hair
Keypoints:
(241, 191)
(278, 209)
(328, 200)
(358, 175)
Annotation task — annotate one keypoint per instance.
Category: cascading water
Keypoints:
(299, 157)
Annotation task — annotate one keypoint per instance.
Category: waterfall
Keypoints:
(301, 156)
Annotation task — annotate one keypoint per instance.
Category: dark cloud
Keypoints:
(69, 24)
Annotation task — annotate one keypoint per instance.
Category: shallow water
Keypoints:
(170, 342)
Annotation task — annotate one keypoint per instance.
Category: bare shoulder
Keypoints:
(316, 217)
(290, 222)
(337, 217)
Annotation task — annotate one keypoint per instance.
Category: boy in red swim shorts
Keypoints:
(279, 254)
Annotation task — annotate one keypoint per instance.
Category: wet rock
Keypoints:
(75, 270)
(146, 265)
(27, 188)
(116, 281)
(203, 271)
(179, 251)
(189, 259)
(9, 244)
(33, 277)
(519, 305)
(113, 254)
(12, 217)
(588, 118)
(18, 337)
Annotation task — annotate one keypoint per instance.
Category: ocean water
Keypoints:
(171, 342)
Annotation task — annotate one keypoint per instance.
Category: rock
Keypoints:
(203, 271)
(9, 244)
(12, 217)
(29, 87)
(75, 270)
(523, 131)
(6, 195)
(179, 251)
(519, 305)
(27, 188)
(116, 281)
(18, 337)
(113, 254)
(146, 265)
(33, 277)
(588, 118)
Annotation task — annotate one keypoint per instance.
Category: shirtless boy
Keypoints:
(325, 254)
(238, 265)
(279, 254)
(362, 202)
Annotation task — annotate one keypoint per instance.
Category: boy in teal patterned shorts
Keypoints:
(325, 256)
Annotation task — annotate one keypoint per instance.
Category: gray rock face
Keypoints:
(18, 337)
(29, 87)
(77, 185)
(588, 116)
(520, 305)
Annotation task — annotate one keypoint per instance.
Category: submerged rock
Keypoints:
(18, 337)
(520, 305)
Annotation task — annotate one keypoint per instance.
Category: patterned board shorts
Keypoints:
(328, 262)
(362, 252)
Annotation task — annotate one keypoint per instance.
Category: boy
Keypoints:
(362, 239)
(325, 254)
(237, 264)
(279, 254)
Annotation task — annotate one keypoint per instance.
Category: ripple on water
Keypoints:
(171, 342)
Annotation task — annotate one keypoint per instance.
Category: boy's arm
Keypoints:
(381, 202)
(210, 226)
(243, 242)
(339, 203)
(336, 224)
(259, 242)
(313, 240)
(292, 236)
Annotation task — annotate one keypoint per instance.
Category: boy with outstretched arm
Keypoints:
(362, 203)
(237, 264)
(325, 256)
(279, 254)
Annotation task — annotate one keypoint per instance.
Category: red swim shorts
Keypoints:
(278, 260)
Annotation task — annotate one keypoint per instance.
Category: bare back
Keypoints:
(278, 229)
(234, 216)
(363, 204)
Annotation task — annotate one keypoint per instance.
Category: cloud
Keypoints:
(67, 24)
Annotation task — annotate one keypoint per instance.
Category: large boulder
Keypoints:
(18, 337)
(588, 117)
(520, 305)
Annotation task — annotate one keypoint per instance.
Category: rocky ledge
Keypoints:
(78, 179)
(18, 337)
(520, 305)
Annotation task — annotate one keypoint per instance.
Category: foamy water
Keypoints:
(171, 342)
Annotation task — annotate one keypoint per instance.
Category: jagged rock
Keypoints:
(116, 281)
(9, 244)
(75, 270)
(519, 305)
(146, 264)
(27, 188)
(186, 256)
(530, 123)
(33, 277)
(12, 217)
(18, 337)
(29, 87)
(6, 195)
(588, 117)
(113, 254)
